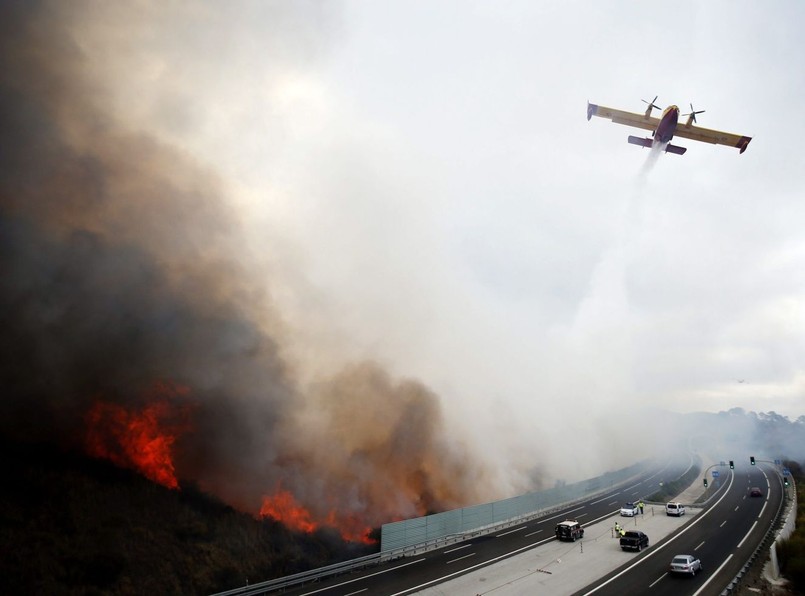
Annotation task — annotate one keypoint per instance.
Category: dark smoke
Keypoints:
(120, 267)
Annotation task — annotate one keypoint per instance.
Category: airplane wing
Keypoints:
(716, 137)
(622, 117)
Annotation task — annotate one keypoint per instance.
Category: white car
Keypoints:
(677, 509)
(630, 510)
(686, 564)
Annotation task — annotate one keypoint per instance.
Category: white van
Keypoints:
(674, 509)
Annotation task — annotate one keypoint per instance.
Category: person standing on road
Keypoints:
(640, 504)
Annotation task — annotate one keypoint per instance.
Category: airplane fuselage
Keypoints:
(667, 126)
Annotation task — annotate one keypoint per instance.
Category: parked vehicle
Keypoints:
(569, 529)
(630, 510)
(677, 509)
(686, 564)
(634, 540)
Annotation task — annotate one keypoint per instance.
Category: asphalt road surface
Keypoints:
(723, 537)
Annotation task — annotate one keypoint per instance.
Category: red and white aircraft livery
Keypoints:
(664, 129)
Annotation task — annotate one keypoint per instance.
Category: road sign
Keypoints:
(715, 473)
(786, 472)
(777, 462)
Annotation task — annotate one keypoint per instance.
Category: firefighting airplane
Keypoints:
(664, 128)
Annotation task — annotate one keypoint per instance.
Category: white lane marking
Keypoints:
(762, 509)
(737, 507)
(722, 523)
(580, 515)
(565, 514)
(700, 545)
(657, 549)
(612, 503)
(712, 577)
(511, 532)
(449, 575)
(357, 579)
(532, 533)
(464, 557)
(741, 543)
(452, 550)
(631, 487)
(656, 581)
(604, 499)
(358, 592)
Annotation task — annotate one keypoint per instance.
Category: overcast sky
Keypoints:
(418, 184)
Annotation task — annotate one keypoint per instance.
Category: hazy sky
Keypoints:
(418, 184)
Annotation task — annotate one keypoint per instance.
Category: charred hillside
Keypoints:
(72, 524)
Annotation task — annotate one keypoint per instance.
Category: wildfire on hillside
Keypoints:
(283, 507)
(125, 259)
(140, 439)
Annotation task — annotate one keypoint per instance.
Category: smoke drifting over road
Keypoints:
(123, 272)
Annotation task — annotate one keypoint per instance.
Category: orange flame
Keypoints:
(283, 507)
(142, 440)
(351, 528)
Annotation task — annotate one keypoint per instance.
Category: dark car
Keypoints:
(634, 540)
(755, 492)
(569, 530)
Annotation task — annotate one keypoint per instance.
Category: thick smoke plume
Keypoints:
(122, 272)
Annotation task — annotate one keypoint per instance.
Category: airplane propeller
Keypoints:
(693, 113)
(651, 104)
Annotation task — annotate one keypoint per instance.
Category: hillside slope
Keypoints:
(75, 525)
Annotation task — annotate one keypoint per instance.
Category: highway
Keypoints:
(723, 537)
(418, 573)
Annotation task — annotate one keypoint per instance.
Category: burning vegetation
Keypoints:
(140, 439)
(282, 507)
(122, 263)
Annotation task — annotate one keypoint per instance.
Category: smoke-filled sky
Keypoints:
(329, 218)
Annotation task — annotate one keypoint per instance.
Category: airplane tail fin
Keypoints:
(647, 143)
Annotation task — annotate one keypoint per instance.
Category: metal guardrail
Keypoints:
(303, 577)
